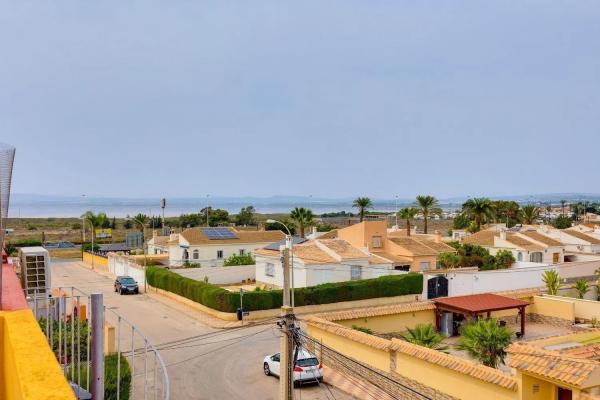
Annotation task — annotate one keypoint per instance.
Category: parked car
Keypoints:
(59, 245)
(307, 368)
(126, 284)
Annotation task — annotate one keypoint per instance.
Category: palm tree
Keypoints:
(552, 281)
(582, 287)
(426, 336)
(95, 220)
(363, 204)
(140, 221)
(303, 217)
(529, 214)
(562, 206)
(486, 341)
(407, 214)
(427, 205)
(479, 208)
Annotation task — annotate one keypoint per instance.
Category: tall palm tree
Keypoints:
(552, 281)
(562, 206)
(582, 287)
(486, 341)
(140, 221)
(363, 204)
(407, 214)
(428, 205)
(426, 336)
(529, 214)
(95, 220)
(479, 208)
(303, 217)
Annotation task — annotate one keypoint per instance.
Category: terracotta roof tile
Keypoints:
(332, 234)
(538, 237)
(369, 312)
(360, 337)
(307, 252)
(522, 242)
(195, 236)
(463, 366)
(342, 248)
(393, 258)
(582, 236)
(482, 238)
(420, 247)
(575, 371)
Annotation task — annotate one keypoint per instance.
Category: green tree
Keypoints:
(277, 227)
(113, 224)
(504, 259)
(507, 211)
(218, 217)
(480, 209)
(407, 214)
(582, 287)
(449, 260)
(303, 217)
(529, 214)
(363, 204)
(562, 222)
(426, 336)
(552, 281)
(461, 221)
(428, 206)
(486, 341)
(245, 216)
(562, 206)
(95, 220)
(140, 221)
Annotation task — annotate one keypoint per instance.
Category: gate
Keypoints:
(437, 287)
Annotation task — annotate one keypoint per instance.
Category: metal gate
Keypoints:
(132, 367)
(437, 287)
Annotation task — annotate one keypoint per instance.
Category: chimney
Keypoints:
(438, 236)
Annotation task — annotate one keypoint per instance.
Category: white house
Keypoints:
(321, 261)
(211, 246)
(578, 239)
(158, 244)
(526, 244)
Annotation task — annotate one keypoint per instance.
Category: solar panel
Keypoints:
(275, 246)
(218, 233)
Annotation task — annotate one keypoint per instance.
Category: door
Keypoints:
(437, 287)
(564, 394)
(555, 258)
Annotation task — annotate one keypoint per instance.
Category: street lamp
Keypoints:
(289, 243)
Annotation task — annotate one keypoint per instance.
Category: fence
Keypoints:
(220, 275)
(131, 367)
(122, 265)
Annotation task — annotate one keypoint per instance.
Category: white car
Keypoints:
(307, 369)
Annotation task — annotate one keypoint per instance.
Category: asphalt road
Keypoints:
(220, 364)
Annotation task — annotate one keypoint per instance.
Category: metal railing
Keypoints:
(66, 320)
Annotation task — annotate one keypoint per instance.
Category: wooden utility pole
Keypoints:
(286, 380)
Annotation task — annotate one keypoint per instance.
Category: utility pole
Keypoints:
(286, 380)
(97, 351)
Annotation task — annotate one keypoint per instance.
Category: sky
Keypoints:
(322, 98)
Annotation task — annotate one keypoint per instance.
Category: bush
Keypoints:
(11, 248)
(88, 247)
(220, 299)
(244, 259)
(110, 377)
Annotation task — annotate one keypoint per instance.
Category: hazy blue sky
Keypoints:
(329, 98)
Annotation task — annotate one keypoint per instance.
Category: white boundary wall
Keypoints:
(122, 265)
(219, 275)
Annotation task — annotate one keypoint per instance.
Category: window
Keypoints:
(270, 269)
(355, 272)
(536, 257)
(195, 255)
(242, 252)
(402, 267)
(186, 255)
(424, 265)
(376, 241)
(219, 254)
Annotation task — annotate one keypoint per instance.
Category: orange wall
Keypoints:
(360, 235)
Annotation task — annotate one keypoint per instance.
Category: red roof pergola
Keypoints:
(475, 304)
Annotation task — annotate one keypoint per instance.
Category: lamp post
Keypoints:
(289, 244)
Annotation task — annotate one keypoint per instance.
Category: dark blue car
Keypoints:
(126, 284)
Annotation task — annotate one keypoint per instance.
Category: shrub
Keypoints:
(88, 247)
(362, 329)
(110, 377)
(486, 341)
(11, 248)
(243, 259)
(223, 300)
(504, 259)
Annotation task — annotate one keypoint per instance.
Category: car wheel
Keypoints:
(121, 292)
(137, 291)
(266, 369)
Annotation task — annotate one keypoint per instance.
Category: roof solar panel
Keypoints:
(218, 233)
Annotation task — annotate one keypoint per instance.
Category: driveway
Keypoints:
(203, 363)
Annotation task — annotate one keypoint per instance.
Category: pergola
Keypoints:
(475, 304)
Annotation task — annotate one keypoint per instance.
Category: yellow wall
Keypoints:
(553, 306)
(369, 355)
(546, 390)
(449, 381)
(360, 235)
(392, 323)
(99, 262)
(587, 309)
(29, 368)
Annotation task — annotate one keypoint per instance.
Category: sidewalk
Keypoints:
(359, 389)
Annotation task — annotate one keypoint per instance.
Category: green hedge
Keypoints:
(223, 300)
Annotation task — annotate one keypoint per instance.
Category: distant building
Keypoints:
(211, 246)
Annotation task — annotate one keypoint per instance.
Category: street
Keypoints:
(220, 364)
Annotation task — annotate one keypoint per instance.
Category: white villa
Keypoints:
(211, 246)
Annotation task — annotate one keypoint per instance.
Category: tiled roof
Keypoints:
(478, 303)
(377, 259)
(482, 238)
(332, 234)
(160, 240)
(521, 293)
(591, 351)
(538, 237)
(460, 365)
(195, 236)
(522, 242)
(307, 252)
(574, 371)
(421, 247)
(582, 236)
(352, 334)
(393, 258)
(370, 312)
(342, 248)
